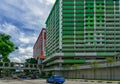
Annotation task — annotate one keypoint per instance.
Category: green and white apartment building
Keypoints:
(80, 31)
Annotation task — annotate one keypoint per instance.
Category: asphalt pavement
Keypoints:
(43, 81)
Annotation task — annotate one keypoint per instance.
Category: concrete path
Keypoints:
(43, 81)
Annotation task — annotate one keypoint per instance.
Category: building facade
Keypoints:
(80, 31)
(39, 52)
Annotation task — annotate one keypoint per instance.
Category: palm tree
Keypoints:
(94, 66)
(76, 69)
(66, 67)
(109, 61)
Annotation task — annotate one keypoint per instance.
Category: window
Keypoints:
(91, 20)
(98, 16)
(91, 25)
(98, 42)
(98, 20)
(91, 16)
(91, 43)
(91, 38)
(98, 33)
(91, 33)
(97, 3)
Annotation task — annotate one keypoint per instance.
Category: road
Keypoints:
(42, 81)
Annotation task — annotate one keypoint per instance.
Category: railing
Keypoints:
(87, 66)
(13, 65)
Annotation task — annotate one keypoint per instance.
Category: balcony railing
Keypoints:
(88, 66)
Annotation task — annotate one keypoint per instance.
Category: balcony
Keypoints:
(88, 66)
(74, 61)
(52, 56)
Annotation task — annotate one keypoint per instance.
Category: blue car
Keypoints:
(55, 79)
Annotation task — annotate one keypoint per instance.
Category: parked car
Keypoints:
(23, 76)
(33, 77)
(56, 79)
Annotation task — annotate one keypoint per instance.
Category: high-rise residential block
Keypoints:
(80, 31)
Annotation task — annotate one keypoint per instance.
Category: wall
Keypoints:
(101, 73)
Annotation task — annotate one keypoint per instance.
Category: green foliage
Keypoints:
(43, 75)
(76, 66)
(5, 59)
(66, 66)
(31, 66)
(94, 64)
(12, 64)
(6, 64)
(6, 46)
(27, 72)
(1, 64)
(31, 60)
(110, 59)
(26, 65)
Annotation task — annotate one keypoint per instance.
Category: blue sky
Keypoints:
(23, 20)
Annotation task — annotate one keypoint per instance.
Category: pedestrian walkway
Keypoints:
(18, 66)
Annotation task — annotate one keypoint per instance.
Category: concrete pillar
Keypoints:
(33, 65)
(3, 64)
(28, 65)
(60, 64)
(24, 65)
(9, 65)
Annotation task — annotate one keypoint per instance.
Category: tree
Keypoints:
(5, 59)
(76, 69)
(31, 61)
(110, 61)
(6, 46)
(66, 67)
(94, 66)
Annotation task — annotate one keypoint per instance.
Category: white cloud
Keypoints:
(19, 16)
(27, 50)
(22, 54)
(47, 1)
(50, 1)
(24, 39)
(24, 51)
(15, 59)
(8, 28)
(32, 13)
(20, 58)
